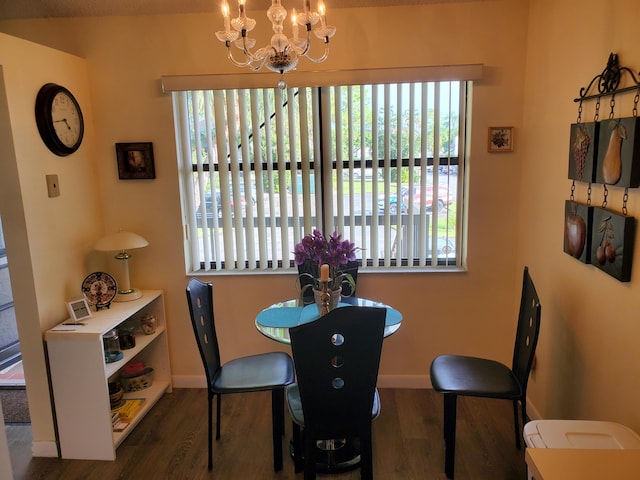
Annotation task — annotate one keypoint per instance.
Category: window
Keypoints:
(380, 163)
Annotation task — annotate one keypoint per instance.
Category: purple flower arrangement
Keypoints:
(315, 250)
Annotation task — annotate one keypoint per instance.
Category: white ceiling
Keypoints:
(12, 9)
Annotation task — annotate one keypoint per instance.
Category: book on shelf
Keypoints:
(126, 413)
(120, 426)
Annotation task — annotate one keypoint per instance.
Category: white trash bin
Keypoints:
(579, 434)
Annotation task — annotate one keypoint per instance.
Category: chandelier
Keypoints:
(282, 54)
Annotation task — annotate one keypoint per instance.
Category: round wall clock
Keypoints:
(99, 289)
(59, 119)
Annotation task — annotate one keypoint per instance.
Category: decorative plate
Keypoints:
(99, 288)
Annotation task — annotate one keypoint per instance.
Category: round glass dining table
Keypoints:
(274, 321)
(338, 455)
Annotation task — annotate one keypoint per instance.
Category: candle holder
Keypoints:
(325, 298)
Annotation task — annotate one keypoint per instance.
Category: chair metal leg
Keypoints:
(449, 433)
(297, 448)
(219, 400)
(210, 430)
(515, 416)
(366, 456)
(309, 456)
(277, 419)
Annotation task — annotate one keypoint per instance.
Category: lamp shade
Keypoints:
(120, 241)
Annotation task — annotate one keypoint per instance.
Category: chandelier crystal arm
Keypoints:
(283, 52)
(323, 57)
(236, 62)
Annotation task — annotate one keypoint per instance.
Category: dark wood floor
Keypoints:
(170, 442)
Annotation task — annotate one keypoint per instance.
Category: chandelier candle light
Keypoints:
(282, 54)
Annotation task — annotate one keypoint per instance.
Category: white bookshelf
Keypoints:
(80, 376)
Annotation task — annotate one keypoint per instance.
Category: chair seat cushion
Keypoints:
(473, 376)
(295, 404)
(254, 373)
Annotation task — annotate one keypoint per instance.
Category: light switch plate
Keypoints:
(53, 187)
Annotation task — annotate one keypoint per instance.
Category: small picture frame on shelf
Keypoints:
(78, 310)
(500, 139)
(135, 161)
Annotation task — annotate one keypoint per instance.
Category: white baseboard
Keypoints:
(44, 449)
(532, 411)
(404, 381)
(189, 381)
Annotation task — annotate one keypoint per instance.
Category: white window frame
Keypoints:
(302, 218)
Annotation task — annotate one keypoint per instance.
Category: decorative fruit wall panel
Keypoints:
(612, 243)
(577, 230)
(618, 161)
(582, 148)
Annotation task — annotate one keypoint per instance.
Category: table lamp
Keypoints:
(121, 242)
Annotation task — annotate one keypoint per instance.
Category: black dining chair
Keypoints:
(336, 360)
(458, 375)
(255, 373)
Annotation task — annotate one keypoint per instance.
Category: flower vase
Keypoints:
(334, 299)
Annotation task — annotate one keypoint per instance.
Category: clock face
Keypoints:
(66, 119)
(59, 119)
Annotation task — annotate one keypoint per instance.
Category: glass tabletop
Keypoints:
(274, 321)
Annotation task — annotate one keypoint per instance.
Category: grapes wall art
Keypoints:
(582, 147)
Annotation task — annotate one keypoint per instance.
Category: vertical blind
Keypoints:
(380, 164)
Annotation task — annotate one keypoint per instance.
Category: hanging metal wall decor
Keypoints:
(608, 153)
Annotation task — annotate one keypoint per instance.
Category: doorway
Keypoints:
(9, 343)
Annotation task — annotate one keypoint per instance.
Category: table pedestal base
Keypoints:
(335, 456)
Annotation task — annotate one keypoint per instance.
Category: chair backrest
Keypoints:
(527, 333)
(200, 300)
(336, 359)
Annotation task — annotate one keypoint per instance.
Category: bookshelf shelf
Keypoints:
(80, 376)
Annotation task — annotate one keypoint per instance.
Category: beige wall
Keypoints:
(588, 357)
(534, 66)
(48, 239)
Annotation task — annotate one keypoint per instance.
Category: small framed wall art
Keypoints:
(135, 161)
(500, 139)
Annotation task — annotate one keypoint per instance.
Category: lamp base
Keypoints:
(132, 294)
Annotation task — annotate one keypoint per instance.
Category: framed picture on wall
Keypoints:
(135, 161)
(500, 139)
